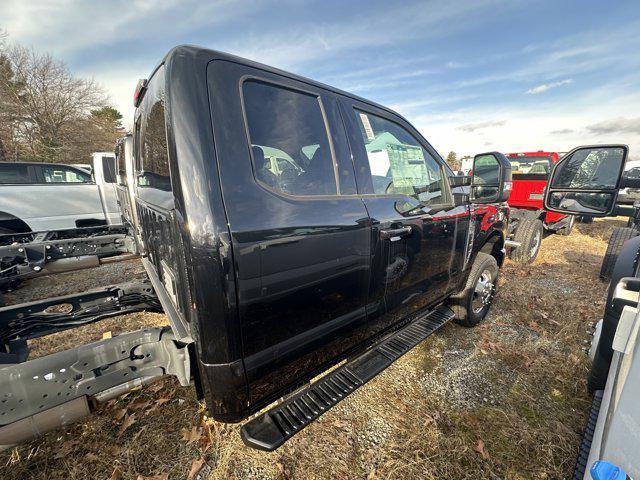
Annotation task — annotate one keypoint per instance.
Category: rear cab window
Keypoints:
(290, 148)
(530, 165)
(152, 177)
(109, 169)
(14, 174)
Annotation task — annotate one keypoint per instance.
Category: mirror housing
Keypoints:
(586, 180)
(491, 178)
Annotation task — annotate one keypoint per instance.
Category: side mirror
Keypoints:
(491, 178)
(586, 180)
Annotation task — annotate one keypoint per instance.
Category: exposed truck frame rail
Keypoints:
(48, 392)
(58, 389)
(26, 321)
(28, 255)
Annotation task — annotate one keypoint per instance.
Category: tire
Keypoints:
(529, 233)
(566, 231)
(585, 219)
(471, 305)
(616, 241)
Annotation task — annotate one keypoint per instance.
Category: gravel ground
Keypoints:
(504, 400)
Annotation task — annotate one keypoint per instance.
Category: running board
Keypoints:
(271, 429)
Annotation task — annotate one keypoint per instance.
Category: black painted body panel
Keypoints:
(276, 288)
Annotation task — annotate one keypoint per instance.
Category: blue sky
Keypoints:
(472, 76)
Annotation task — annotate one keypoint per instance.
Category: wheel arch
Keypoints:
(494, 246)
(11, 222)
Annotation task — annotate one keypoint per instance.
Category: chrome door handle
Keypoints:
(394, 234)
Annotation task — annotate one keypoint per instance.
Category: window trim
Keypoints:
(358, 107)
(318, 96)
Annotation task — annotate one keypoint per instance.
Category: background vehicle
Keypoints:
(529, 219)
(587, 181)
(271, 276)
(628, 204)
(48, 196)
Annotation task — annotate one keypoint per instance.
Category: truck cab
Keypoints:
(299, 239)
(289, 224)
(61, 196)
(529, 218)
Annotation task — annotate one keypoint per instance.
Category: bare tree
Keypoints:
(48, 110)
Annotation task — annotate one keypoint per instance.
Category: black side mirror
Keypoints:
(586, 180)
(491, 178)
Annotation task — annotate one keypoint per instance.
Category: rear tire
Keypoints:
(616, 241)
(472, 304)
(529, 234)
(566, 231)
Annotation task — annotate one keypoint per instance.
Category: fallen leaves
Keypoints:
(191, 436)
(480, 448)
(117, 473)
(196, 466)
(127, 422)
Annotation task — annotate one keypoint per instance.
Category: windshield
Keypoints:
(530, 164)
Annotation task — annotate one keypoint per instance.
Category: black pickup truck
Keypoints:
(290, 227)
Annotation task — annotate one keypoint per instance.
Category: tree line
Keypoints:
(47, 114)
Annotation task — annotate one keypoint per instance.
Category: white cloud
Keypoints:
(548, 86)
(474, 127)
(555, 127)
(619, 125)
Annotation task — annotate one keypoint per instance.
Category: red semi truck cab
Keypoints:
(529, 219)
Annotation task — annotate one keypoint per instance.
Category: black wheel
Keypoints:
(472, 304)
(566, 231)
(529, 234)
(585, 219)
(617, 239)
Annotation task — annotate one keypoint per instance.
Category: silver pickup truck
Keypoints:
(37, 197)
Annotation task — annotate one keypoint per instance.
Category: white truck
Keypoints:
(36, 197)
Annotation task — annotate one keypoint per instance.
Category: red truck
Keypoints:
(529, 219)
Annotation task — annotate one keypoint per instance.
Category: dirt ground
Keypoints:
(506, 400)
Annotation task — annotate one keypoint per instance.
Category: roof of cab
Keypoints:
(217, 55)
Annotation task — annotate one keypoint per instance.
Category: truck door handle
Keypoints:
(394, 234)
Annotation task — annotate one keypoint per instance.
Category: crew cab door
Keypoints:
(418, 234)
(299, 231)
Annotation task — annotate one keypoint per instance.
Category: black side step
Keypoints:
(274, 427)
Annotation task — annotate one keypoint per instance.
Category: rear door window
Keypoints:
(290, 146)
(61, 174)
(14, 174)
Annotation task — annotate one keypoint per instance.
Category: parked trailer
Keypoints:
(288, 228)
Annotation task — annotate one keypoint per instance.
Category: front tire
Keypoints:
(529, 234)
(471, 305)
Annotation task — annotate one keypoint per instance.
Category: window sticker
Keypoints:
(367, 126)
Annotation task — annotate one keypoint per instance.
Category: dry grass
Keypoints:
(505, 400)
